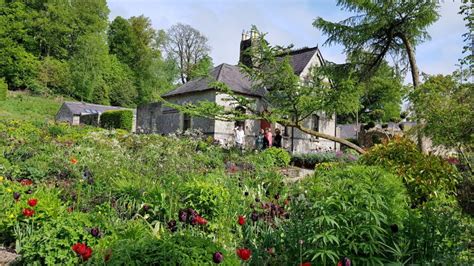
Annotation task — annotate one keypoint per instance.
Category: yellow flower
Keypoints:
(1, 178)
(9, 190)
(11, 216)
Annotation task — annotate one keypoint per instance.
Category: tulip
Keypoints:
(217, 257)
(244, 253)
(241, 220)
(32, 202)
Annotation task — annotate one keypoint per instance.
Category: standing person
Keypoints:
(269, 136)
(277, 139)
(259, 141)
(239, 137)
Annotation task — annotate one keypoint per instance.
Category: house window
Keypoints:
(186, 122)
(315, 125)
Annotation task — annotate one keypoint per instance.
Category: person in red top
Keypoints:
(269, 136)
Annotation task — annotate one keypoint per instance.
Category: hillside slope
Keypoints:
(23, 106)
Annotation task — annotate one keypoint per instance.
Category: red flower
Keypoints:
(305, 264)
(244, 253)
(73, 160)
(200, 220)
(82, 250)
(26, 182)
(28, 212)
(241, 220)
(32, 202)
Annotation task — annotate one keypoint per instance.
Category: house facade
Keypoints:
(160, 119)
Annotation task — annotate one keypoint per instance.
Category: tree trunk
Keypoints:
(415, 74)
(329, 137)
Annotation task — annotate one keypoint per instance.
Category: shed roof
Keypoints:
(81, 108)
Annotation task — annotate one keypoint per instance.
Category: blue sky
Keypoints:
(286, 22)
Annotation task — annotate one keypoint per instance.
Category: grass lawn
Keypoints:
(22, 105)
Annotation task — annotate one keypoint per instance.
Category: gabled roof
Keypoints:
(81, 108)
(228, 74)
(300, 58)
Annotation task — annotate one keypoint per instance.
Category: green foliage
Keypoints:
(346, 212)
(425, 176)
(445, 107)
(437, 232)
(205, 197)
(379, 28)
(119, 119)
(3, 90)
(132, 187)
(280, 157)
(88, 69)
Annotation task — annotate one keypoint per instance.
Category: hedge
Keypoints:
(3, 89)
(119, 119)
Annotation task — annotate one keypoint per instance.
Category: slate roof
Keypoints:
(300, 58)
(81, 108)
(225, 73)
(236, 80)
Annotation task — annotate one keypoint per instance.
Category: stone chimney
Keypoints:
(245, 46)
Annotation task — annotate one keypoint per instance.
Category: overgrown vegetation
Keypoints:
(86, 195)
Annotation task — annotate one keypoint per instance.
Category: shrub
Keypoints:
(424, 175)
(206, 197)
(437, 233)
(3, 89)
(118, 119)
(280, 156)
(310, 160)
(345, 212)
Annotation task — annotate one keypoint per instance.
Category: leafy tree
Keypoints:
(136, 44)
(17, 65)
(88, 67)
(55, 74)
(382, 27)
(189, 47)
(122, 41)
(446, 107)
(381, 99)
(466, 10)
(121, 81)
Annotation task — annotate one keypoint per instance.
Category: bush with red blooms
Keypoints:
(32, 202)
(244, 253)
(241, 220)
(305, 264)
(28, 212)
(82, 250)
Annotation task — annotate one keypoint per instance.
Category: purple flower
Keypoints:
(217, 257)
(95, 232)
(254, 216)
(172, 225)
(146, 207)
(183, 216)
(16, 195)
